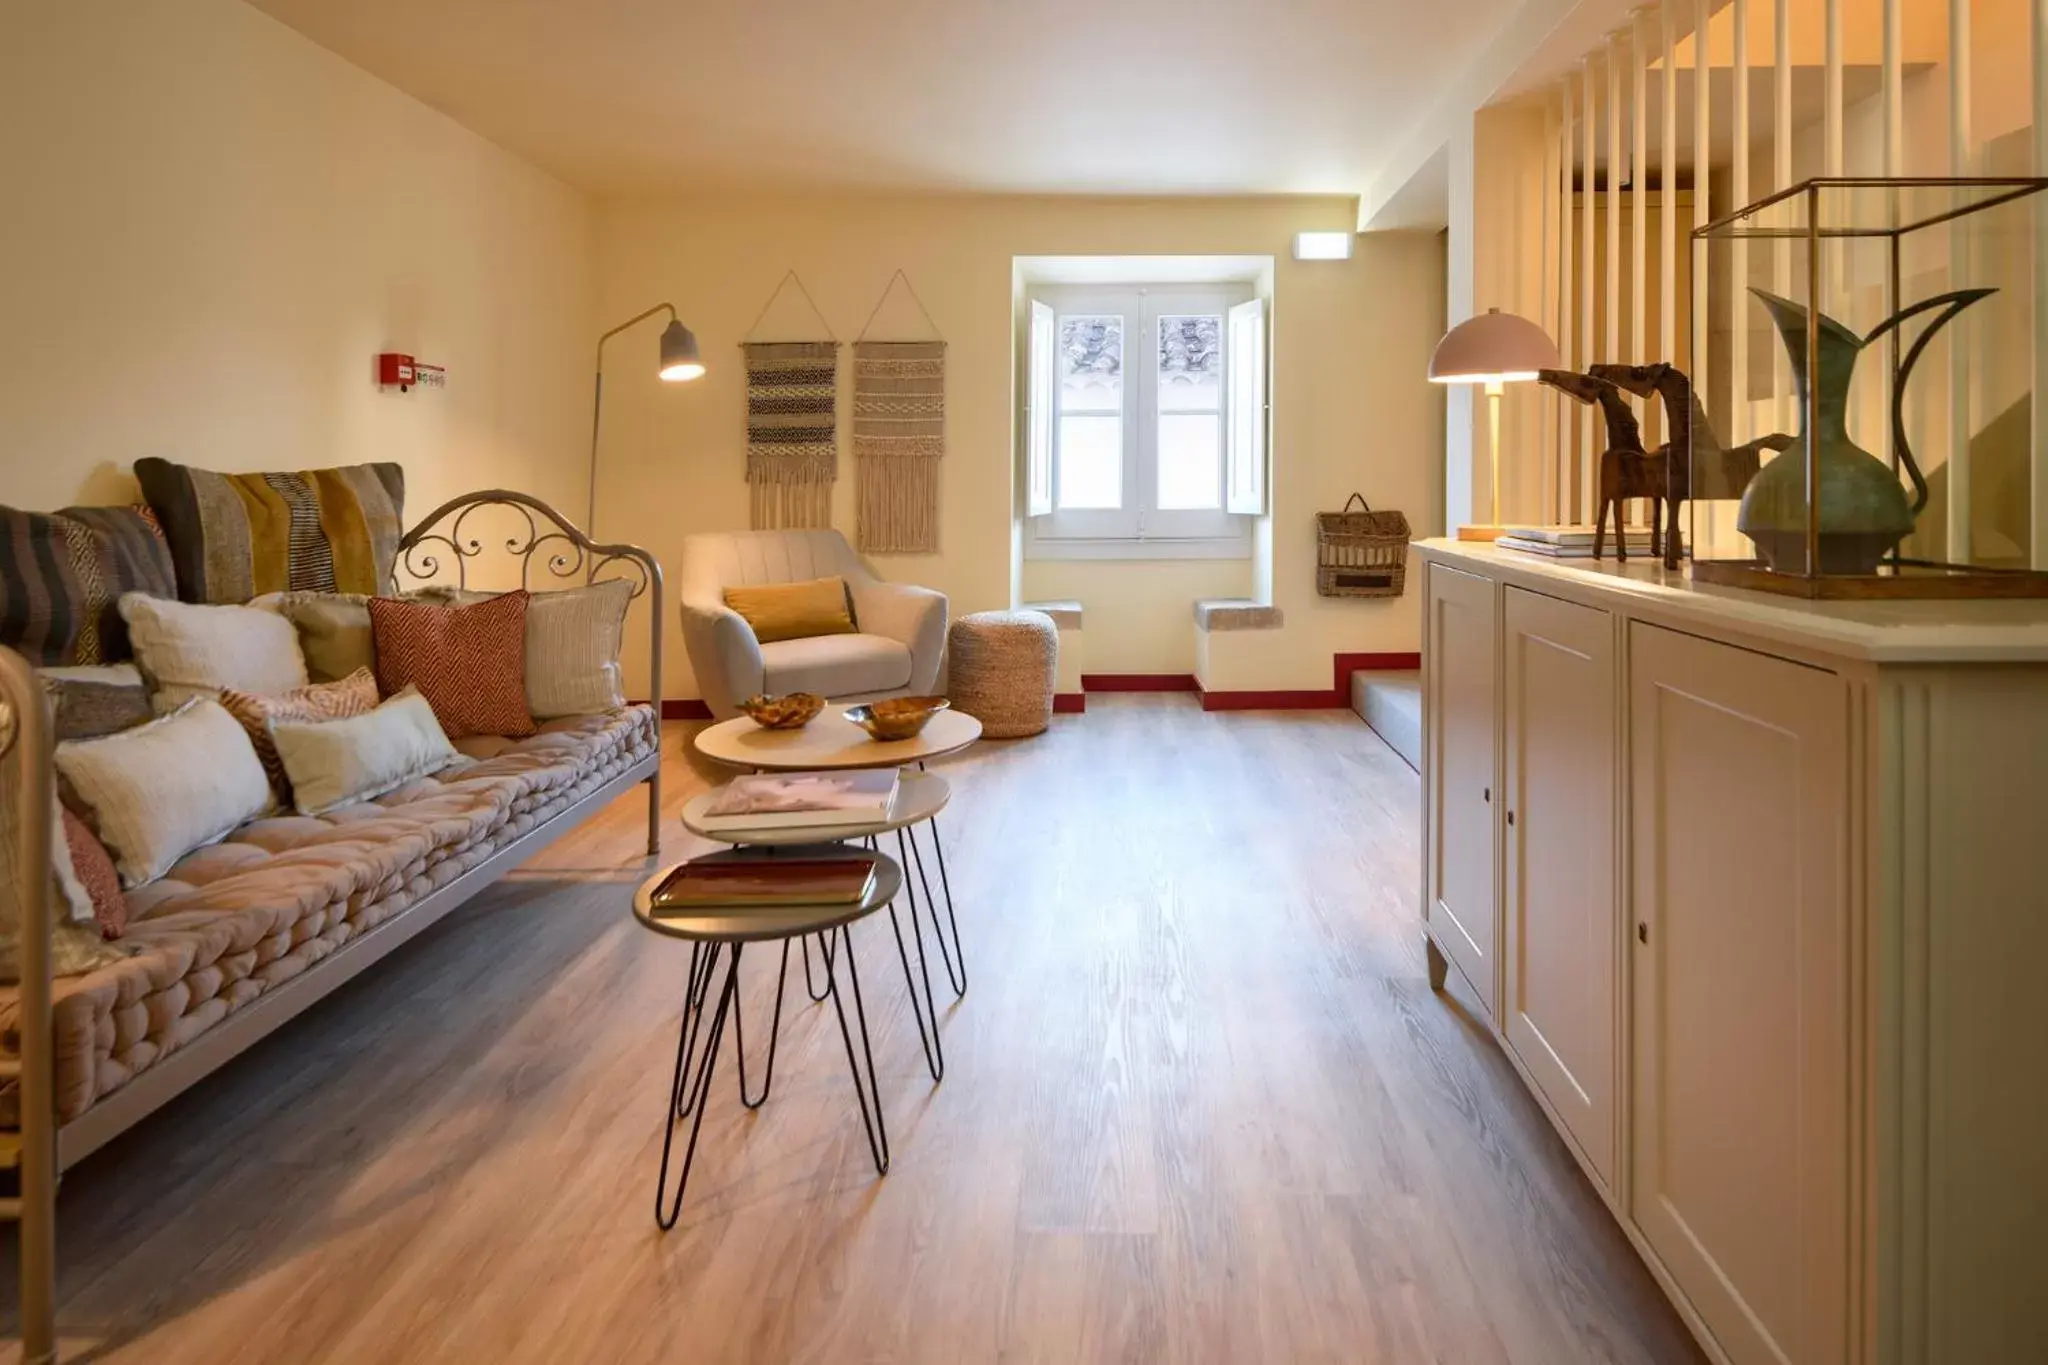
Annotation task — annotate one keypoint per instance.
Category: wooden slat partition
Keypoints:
(2038, 488)
(1961, 161)
(1588, 199)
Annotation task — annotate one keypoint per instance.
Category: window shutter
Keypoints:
(1038, 412)
(1245, 485)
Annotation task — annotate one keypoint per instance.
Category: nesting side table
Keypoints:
(726, 931)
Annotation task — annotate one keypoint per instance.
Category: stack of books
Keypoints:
(764, 882)
(1568, 542)
(802, 800)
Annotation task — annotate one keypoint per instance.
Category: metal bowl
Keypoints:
(896, 717)
(791, 712)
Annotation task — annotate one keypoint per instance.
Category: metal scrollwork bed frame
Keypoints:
(443, 542)
(565, 553)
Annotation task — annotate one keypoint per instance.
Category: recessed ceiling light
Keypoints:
(1322, 246)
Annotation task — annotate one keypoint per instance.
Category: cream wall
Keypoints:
(1351, 410)
(1139, 614)
(212, 225)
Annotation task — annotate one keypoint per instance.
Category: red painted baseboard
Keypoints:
(682, 708)
(1069, 703)
(1138, 682)
(1347, 664)
(1310, 700)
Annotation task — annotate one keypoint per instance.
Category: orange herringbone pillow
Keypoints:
(468, 662)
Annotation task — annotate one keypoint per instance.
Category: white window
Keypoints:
(1147, 421)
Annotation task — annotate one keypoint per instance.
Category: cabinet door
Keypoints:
(1740, 1023)
(1563, 928)
(1462, 900)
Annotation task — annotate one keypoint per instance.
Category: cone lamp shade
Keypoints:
(1494, 349)
(679, 358)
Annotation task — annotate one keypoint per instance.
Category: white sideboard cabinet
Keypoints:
(1754, 894)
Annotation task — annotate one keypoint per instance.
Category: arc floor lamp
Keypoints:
(1494, 349)
(680, 362)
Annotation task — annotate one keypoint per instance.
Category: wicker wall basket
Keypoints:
(1362, 553)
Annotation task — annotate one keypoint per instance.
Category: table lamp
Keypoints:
(1495, 349)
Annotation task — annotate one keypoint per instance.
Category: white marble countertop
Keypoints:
(1983, 631)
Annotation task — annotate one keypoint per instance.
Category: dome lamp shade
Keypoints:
(1492, 348)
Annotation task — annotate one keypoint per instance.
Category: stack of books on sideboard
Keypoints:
(1568, 542)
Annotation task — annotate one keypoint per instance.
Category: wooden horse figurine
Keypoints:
(1626, 469)
(1695, 461)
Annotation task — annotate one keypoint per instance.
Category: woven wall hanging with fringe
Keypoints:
(899, 435)
(792, 424)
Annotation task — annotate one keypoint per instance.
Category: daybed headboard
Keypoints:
(537, 532)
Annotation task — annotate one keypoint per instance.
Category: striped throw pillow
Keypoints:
(61, 574)
(238, 536)
(355, 695)
(469, 662)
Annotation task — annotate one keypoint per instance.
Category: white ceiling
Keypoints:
(1116, 96)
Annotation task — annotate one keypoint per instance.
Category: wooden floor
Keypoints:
(1201, 1106)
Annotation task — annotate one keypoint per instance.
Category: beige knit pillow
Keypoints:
(573, 639)
(188, 651)
(155, 793)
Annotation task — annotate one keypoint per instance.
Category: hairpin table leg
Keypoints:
(739, 1036)
(810, 984)
(667, 1209)
(955, 976)
(868, 1093)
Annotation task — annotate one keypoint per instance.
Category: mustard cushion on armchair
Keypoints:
(793, 611)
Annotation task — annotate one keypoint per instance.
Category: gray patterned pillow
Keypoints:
(96, 699)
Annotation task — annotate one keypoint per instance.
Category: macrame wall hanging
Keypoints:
(899, 435)
(792, 423)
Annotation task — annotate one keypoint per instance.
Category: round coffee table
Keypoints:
(712, 930)
(832, 741)
(920, 796)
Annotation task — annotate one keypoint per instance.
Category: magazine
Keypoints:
(720, 881)
(784, 800)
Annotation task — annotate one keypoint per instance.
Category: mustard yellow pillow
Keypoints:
(793, 611)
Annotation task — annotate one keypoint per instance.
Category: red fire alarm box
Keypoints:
(393, 368)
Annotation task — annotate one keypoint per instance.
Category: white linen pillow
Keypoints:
(186, 650)
(336, 762)
(155, 793)
(573, 639)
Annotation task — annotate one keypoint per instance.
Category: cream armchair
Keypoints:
(901, 629)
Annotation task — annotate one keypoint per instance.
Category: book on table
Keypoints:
(1569, 548)
(1580, 534)
(764, 882)
(803, 800)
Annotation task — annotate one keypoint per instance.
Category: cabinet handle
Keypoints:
(1511, 817)
(1486, 795)
(1642, 932)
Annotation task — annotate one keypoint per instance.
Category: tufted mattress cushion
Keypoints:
(232, 920)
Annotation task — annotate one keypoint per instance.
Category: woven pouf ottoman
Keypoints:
(1004, 668)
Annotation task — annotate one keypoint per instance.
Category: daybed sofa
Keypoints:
(243, 934)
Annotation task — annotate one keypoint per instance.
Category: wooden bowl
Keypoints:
(792, 712)
(896, 717)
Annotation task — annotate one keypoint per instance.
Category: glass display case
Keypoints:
(1893, 322)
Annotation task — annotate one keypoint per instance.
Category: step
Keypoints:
(1390, 701)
